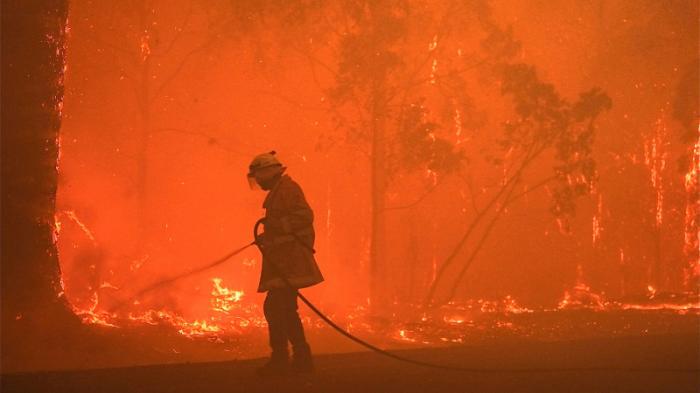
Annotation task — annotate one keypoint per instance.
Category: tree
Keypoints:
(33, 39)
(385, 75)
(543, 121)
(376, 74)
(149, 45)
(394, 65)
(685, 110)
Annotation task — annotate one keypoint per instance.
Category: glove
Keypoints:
(261, 241)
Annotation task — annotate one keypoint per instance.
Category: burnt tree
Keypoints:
(33, 35)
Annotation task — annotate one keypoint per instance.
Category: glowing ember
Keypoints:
(597, 220)
(145, 46)
(198, 328)
(454, 319)
(651, 291)
(581, 297)
(458, 125)
(92, 316)
(84, 228)
(404, 335)
(56, 229)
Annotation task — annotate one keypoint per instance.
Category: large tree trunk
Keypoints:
(33, 35)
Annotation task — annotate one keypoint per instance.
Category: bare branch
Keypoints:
(314, 60)
(207, 44)
(472, 226)
(472, 194)
(178, 31)
(417, 201)
(482, 240)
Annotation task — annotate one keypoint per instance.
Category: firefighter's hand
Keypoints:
(261, 240)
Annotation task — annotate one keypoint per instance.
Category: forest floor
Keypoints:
(650, 363)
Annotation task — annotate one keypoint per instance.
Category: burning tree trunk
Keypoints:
(32, 93)
(686, 111)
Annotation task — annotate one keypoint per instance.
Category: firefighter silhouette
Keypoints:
(288, 263)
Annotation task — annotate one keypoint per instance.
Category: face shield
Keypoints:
(252, 183)
(259, 178)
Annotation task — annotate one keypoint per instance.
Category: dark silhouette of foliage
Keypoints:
(546, 120)
(418, 146)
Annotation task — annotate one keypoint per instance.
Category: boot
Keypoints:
(302, 363)
(277, 365)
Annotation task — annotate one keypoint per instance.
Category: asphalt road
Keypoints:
(664, 364)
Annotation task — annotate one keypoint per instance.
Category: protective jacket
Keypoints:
(288, 240)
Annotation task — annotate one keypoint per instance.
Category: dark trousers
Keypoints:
(283, 321)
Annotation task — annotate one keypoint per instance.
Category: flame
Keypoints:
(691, 238)
(224, 299)
(597, 228)
(56, 229)
(581, 297)
(403, 335)
(454, 319)
(655, 155)
(433, 67)
(84, 228)
(91, 315)
(198, 328)
(433, 44)
(62, 286)
(458, 125)
(651, 291)
(145, 45)
(232, 316)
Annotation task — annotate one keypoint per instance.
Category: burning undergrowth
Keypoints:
(581, 313)
(220, 317)
(229, 317)
(152, 193)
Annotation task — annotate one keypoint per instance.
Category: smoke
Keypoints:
(166, 104)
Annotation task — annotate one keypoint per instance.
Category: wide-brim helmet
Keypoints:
(262, 161)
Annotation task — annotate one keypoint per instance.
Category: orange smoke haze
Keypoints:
(167, 102)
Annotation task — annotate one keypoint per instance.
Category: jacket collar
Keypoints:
(273, 192)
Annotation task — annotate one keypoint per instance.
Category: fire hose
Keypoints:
(372, 347)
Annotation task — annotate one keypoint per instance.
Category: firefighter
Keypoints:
(288, 263)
